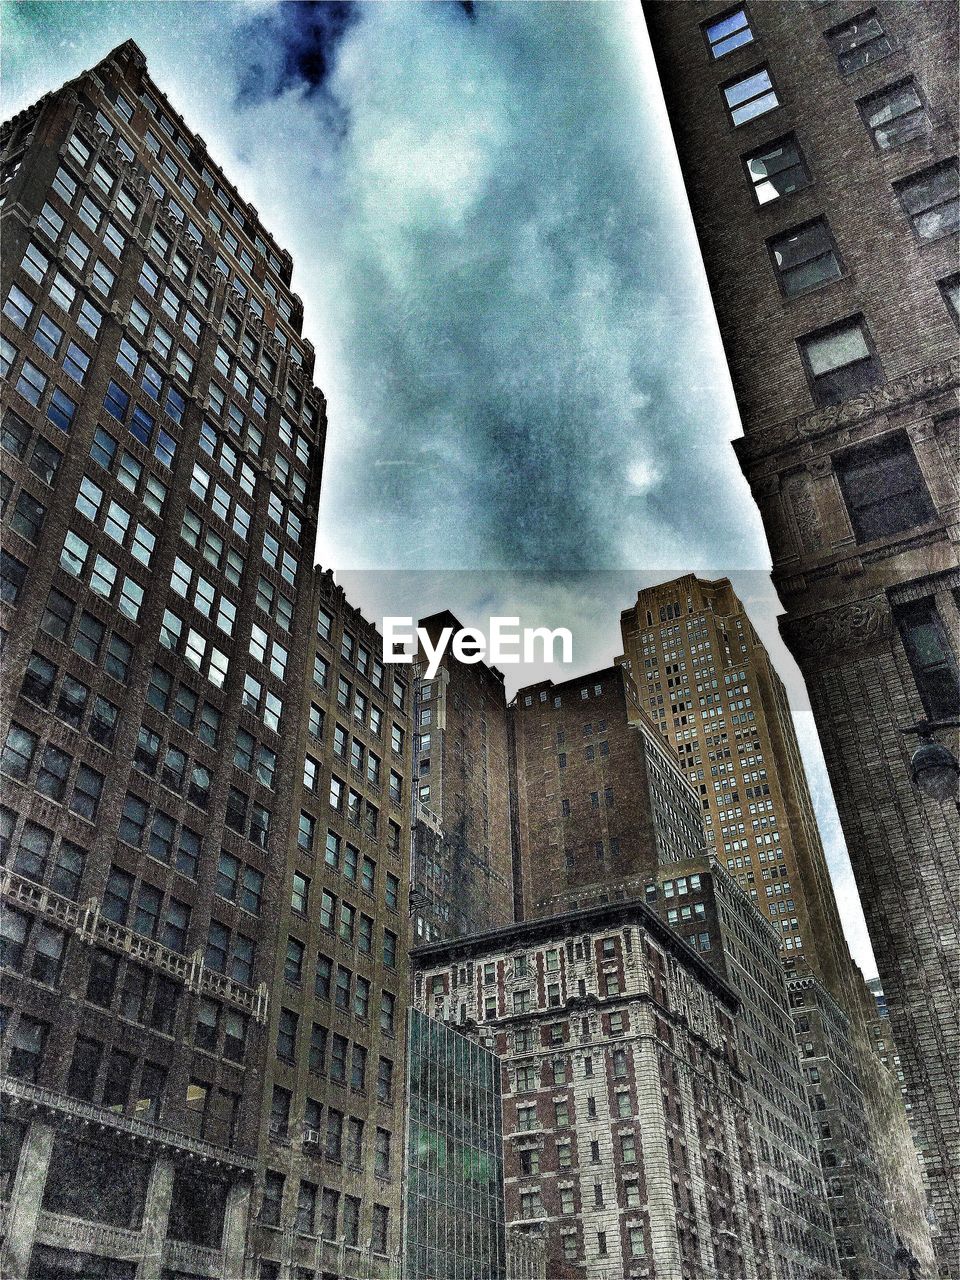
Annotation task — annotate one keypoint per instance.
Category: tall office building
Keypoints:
(704, 676)
(819, 145)
(205, 925)
(330, 1159)
(600, 799)
(454, 1207)
(462, 854)
(628, 1144)
(866, 1240)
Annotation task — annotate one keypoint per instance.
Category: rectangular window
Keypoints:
(894, 115)
(750, 96)
(777, 169)
(839, 361)
(804, 257)
(930, 657)
(728, 33)
(931, 200)
(859, 42)
(883, 488)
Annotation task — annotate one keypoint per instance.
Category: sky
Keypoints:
(502, 283)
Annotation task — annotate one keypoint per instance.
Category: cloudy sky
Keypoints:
(501, 280)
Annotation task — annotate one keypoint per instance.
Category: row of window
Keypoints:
(339, 1217)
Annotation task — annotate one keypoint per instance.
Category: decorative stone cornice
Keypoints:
(900, 394)
(68, 1113)
(863, 625)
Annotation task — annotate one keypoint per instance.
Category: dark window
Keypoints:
(894, 115)
(931, 660)
(26, 1053)
(840, 362)
(271, 1204)
(883, 489)
(931, 200)
(950, 288)
(859, 42)
(805, 257)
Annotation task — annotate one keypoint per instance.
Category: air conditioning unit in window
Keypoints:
(311, 1137)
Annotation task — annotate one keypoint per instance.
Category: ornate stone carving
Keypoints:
(914, 386)
(854, 626)
(935, 377)
(805, 513)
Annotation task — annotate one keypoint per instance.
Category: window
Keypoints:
(728, 33)
(270, 1206)
(931, 200)
(804, 257)
(840, 362)
(750, 96)
(930, 658)
(776, 169)
(894, 115)
(883, 488)
(384, 1080)
(859, 42)
(379, 1228)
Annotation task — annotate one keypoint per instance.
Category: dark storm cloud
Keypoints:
(295, 45)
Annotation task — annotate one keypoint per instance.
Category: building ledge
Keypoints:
(86, 920)
(32, 1098)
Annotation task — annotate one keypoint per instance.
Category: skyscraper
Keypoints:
(819, 145)
(708, 682)
(707, 908)
(705, 678)
(331, 1125)
(204, 820)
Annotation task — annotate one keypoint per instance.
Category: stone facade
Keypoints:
(819, 146)
(865, 1239)
(708, 909)
(628, 1143)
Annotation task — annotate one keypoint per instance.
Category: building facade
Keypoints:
(331, 1127)
(819, 144)
(162, 451)
(600, 800)
(454, 1211)
(714, 915)
(705, 677)
(462, 852)
(628, 1143)
(709, 683)
(864, 1233)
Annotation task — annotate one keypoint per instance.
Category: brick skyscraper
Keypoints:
(205, 854)
(819, 145)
